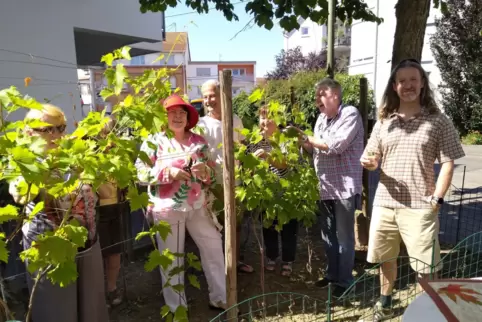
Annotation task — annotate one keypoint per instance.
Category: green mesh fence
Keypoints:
(357, 303)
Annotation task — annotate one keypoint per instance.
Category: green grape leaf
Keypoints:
(56, 249)
(63, 274)
(176, 270)
(74, 232)
(181, 314)
(120, 75)
(38, 207)
(163, 228)
(193, 280)
(107, 59)
(137, 201)
(157, 259)
(165, 310)
(8, 213)
(3, 249)
(142, 234)
(179, 288)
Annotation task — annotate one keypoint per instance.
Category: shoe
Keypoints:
(338, 291)
(114, 298)
(286, 269)
(323, 283)
(270, 265)
(380, 313)
(244, 268)
(219, 306)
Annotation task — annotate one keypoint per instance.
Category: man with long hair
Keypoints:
(410, 135)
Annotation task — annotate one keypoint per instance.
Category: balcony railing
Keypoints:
(244, 78)
(343, 41)
(339, 41)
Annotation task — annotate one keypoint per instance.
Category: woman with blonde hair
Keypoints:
(82, 300)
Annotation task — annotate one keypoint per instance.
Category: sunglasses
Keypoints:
(51, 129)
(188, 167)
(411, 60)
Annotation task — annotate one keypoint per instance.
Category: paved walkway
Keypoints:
(473, 168)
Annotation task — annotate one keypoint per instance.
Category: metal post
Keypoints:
(92, 89)
(331, 38)
(457, 233)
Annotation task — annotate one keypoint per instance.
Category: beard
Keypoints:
(409, 96)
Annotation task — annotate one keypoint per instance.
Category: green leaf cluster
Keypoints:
(92, 155)
(267, 12)
(292, 197)
(304, 111)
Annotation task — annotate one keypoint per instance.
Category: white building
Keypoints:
(312, 37)
(372, 44)
(198, 72)
(49, 42)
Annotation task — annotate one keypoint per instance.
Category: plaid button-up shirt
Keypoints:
(408, 152)
(338, 169)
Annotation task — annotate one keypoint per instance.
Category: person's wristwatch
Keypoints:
(304, 138)
(437, 201)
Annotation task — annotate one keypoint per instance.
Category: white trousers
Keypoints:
(208, 240)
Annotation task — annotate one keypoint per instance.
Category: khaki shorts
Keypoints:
(418, 228)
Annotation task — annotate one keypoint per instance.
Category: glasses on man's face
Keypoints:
(51, 129)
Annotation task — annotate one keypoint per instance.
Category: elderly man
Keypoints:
(212, 132)
(337, 146)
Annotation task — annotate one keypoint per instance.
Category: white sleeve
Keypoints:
(237, 127)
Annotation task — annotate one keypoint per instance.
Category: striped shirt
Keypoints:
(338, 169)
(266, 146)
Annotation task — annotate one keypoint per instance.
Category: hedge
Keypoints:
(303, 84)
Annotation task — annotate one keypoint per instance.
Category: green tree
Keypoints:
(410, 29)
(89, 158)
(457, 48)
(266, 12)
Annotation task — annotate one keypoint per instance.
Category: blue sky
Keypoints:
(210, 37)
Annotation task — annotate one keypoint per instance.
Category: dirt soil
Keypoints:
(304, 302)
(145, 298)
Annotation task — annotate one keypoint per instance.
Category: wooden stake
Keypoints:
(361, 220)
(229, 184)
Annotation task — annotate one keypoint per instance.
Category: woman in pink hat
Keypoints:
(178, 181)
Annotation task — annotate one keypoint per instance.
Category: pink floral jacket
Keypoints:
(166, 194)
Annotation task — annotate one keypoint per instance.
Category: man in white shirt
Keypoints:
(212, 132)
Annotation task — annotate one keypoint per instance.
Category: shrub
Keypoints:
(473, 138)
(303, 84)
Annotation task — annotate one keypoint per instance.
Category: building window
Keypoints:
(168, 60)
(237, 71)
(200, 72)
(138, 60)
(304, 31)
(173, 82)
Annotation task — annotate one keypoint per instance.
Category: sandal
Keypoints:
(114, 298)
(286, 269)
(270, 265)
(244, 268)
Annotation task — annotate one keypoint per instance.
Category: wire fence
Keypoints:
(357, 303)
(459, 220)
